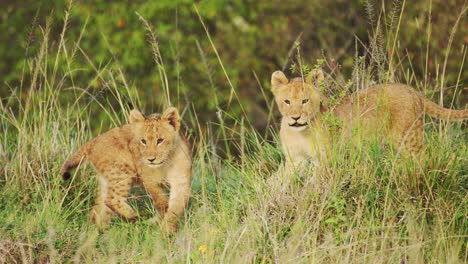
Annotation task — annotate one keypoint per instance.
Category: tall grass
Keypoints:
(368, 206)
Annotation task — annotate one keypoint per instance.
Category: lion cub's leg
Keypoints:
(412, 139)
(414, 143)
(180, 191)
(101, 214)
(159, 198)
(118, 187)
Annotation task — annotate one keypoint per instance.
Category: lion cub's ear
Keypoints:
(277, 79)
(135, 116)
(315, 77)
(171, 115)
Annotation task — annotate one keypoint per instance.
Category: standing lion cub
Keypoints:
(389, 111)
(149, 150)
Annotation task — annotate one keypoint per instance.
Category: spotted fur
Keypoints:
(392, 112)
(150, 151)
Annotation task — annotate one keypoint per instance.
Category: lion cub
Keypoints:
(149, 150)
(391, 111)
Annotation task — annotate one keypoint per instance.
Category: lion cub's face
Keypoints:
(298, 100)
(156, 135)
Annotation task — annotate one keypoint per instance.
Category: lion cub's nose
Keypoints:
(296, 117)
(151, 160)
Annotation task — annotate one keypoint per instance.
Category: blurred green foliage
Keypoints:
(253, 38)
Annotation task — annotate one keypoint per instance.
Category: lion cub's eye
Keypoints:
(287, 102)
(143, 141)
(160, 140)
(305, 101)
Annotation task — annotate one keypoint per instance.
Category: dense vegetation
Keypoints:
(73, 70)
(252, 38)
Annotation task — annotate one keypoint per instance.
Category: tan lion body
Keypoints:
(149, 151)
(392, 112)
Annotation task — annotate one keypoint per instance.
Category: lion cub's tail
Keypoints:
(437, 111)
(73, 161)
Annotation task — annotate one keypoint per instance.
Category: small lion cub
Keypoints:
(150, 151)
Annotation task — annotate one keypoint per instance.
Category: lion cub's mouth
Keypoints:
(154, 165)
(296, 124)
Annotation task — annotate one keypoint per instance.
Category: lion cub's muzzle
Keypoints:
(153, 163)
(297, 123)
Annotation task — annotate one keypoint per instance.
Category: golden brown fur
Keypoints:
(391, 111)
(150, 151)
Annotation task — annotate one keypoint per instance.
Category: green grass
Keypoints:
(368, 206)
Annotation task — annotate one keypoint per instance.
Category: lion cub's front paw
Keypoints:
(100, 219)
(169, 225)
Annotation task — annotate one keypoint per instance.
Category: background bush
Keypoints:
(253, 39)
